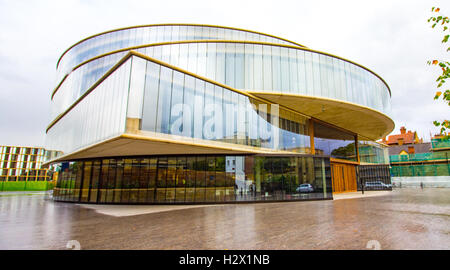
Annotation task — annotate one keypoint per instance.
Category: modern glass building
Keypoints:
(22, 164)
(182, 113)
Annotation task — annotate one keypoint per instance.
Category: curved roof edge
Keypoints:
(173, 24)
(373, 124)
(220, 41)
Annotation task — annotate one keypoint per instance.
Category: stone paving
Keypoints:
(401, 219)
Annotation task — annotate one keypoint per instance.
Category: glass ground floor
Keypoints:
(190, 179)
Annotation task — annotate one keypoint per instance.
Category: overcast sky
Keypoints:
(392, 38)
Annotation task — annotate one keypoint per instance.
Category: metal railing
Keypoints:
(424, 164)
(373, 177)
(420, 157)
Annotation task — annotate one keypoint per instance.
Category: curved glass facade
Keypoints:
(250, 67)
(174, 103)
(137, 36)
(119, 121)
(194, 179)
(246, 67)
(98, 116)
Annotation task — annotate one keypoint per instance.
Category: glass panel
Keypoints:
(210, 192)
(189, 106)
(86, 181)
(126, 181)
(267, 67)
(174, 54)
(211, 61)
(199, 101)
(316, 75)
(144, 179)
(119, 178)
(220, 179)
(164, 100)
(201, 59)
(176, 108)
(229, 117)
(171, 180)
(276, 69)
(230, 185)
(151, 178)
(239, 67)
(285, 70)
(333, 142)
(220, 63)
(184, 53)
(190, 179)
(166, 54)
(230, 59)
(103, 184)
(308, 72)
(219, 123)
(161, 179)
(111, 183)
(372, 152)
(192, 60)
(95, 181)
(200, 167)
(325, 70)
(180, 179)
(78, 182)
(249, 67)
(150, 97)
(258, 68)
(208, 116)
(134, 180)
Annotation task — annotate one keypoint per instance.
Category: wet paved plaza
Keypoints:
(403, 219)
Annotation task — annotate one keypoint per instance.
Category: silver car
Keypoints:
(305, 188)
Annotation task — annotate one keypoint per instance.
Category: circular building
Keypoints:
(183, 113)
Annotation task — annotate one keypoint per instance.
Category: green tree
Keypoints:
(344, 151)
(442, 22)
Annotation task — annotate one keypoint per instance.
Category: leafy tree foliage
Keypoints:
(441, 22)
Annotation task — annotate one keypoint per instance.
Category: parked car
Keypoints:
(377, 185)
(305, 188)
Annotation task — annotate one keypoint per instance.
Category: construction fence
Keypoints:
(425, 164)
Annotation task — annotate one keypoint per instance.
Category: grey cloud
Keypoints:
(390, 37)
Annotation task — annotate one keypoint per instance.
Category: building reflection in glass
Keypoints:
(195, 179)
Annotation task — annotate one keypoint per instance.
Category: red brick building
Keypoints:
(406, 142)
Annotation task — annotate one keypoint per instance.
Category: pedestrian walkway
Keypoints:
(401, 219)
(358, 194)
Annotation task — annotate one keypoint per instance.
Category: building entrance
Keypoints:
(343, 177)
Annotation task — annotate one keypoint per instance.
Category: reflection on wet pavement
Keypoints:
(405, 219)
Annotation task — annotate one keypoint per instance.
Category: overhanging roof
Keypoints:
(355, 118)
(144, 143)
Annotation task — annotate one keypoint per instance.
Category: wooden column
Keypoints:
(311, 136)
(357, 149)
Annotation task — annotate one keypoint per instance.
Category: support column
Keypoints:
(357, 149)
(311, 136)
